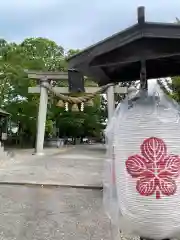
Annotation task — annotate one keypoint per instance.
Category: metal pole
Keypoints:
(110, 102)
(41, 118)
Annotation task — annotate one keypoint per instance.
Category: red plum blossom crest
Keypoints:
(154, 169)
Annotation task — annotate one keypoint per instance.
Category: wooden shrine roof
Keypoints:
(118, 58)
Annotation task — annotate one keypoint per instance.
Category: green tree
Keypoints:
(175, 86)
(72, 52)
(40, 54)
(36, 54)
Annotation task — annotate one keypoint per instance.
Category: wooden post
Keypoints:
(141, 15)
(143, 78)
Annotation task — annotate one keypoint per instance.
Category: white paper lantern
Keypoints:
(146, 142)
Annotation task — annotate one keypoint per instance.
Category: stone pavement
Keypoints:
(34, 213)
(80, 166)
(41, 211)
(27, 153)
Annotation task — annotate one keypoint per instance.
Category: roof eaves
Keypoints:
(98, 44)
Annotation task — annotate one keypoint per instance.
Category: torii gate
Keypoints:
(45, 78)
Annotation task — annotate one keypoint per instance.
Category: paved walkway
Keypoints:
(33, 213)
(80, 166)
(45, 212)
(27, 153)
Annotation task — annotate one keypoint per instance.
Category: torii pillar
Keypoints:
(44, 78)
(41, 122)
(110, 102)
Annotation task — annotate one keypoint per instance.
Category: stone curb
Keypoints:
(53, 185)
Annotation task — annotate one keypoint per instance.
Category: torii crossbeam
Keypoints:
(45, 78)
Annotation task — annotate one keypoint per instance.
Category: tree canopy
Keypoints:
(41, 54)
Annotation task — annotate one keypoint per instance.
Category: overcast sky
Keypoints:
(77, 23)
